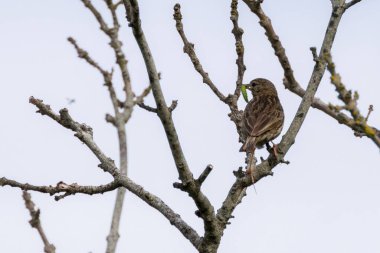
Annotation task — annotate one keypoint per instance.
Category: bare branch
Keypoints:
(351, 3)
(84, 133)
(188, 48)
(290, 81)
(202, 177)
(35, 222)
(346, 96)
(110, 119)
(116, 45)
(370, 109)
(124, 181)
(151, 109)
(174, 219)
(265, 168)
(121, 180)
(103, 25)
(314, 53)
(113, 235)
(61, 187)
(230, 100)
(140, 99)
(266, 23)
(112, 9)
(358, 122)
(116, 5)
(147, 107)
(121, 117)
(185, 175)
(107, 76)
(238, 34)
(173, 105)
(83, 54)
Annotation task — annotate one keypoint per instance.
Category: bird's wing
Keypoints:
(261, 115)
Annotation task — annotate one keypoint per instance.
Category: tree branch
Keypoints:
(357, 120)
(188, 48)
(351, 3)
(84, 133)
(290, 81)
(121, 117)
(185, 175)
(120, 180)
(107, 76)
(61, 187)
(116, 44)
(103, 25)
(147, 107)
(264, 169)
(35, 222)
(202, 177)
(231, 100)
(238, 34)
(140, 99)
(155, 202)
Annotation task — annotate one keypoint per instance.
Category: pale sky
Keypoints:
(326, 200)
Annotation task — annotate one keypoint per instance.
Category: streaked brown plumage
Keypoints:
(263, 117)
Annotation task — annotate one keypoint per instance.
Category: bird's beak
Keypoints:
(247, 86)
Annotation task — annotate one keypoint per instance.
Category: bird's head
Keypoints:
(261, 86)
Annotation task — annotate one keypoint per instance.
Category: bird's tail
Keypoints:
(249, 145)
(251, 163)
(251, 167)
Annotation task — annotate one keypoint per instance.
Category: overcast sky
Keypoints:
(326, 200)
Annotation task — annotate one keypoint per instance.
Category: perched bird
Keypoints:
(263, 119)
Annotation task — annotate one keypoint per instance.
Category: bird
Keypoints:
(263, 119)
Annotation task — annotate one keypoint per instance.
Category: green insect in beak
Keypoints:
(244, 92)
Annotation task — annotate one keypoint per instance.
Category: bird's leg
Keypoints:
(275, 151)
(272, 149)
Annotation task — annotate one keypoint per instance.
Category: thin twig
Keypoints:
(83, 54)
(103, 25)
(35, 222)
(172, 107)
(370, 109)
(147, 107)
(107, 76)
(188, 48)
(140, 99)
(238, 34)
(202, 177)
(82, 132)
(116, 44)
(351, 3)
(112, 9)
(358, 122)
(61, 187)
(116, 5)
(348, 97)
(154, 110)
(231, 100)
